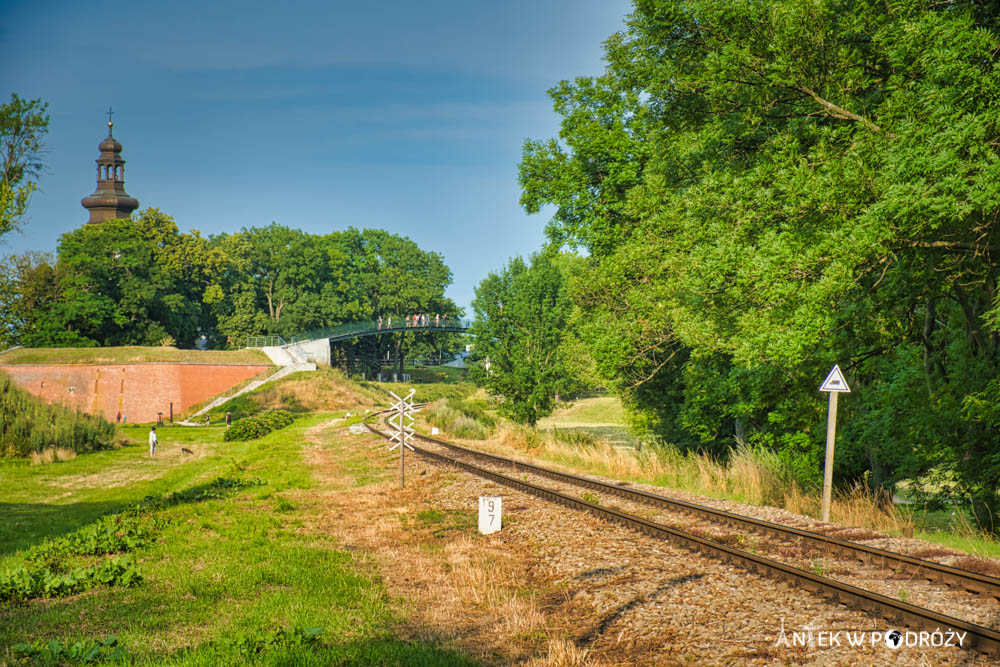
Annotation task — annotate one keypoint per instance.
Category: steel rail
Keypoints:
(978, 637)
(973, 582)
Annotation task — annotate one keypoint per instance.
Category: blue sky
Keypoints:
(318, 115)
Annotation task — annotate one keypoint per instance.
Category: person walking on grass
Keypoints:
(152, 441)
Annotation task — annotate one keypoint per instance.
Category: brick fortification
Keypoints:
(139, 391)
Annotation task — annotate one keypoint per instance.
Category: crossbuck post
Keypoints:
(402, 419)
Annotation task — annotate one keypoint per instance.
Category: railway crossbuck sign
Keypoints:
(402, 419)
(834, 384)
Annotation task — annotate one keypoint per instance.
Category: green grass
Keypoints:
(967, 543)
(425, 393)
(131, 355)
(602, 410)
(425, 374)
(601, 416)
(236, 580)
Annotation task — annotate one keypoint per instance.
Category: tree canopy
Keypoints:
(519, 328)
(141, 281)
(23, 123)
(765, 189)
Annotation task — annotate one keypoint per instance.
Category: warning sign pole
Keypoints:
(834, 384)
(831, 435)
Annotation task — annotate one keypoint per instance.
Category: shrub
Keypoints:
(28, 424)
(462, 419)
(251, 428)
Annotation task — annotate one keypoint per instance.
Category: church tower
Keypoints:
(110, 200)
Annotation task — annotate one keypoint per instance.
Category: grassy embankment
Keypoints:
(130, 355)
(589, 436)
(236, 579)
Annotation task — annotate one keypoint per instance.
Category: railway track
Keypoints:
(976, 636)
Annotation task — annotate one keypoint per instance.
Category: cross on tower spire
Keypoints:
(109, 119)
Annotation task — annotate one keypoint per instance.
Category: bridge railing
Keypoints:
(351, 329)
(397, 324)
(265, 341)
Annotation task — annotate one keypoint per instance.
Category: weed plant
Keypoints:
(55, 652)
(27, 583)
(28, 424)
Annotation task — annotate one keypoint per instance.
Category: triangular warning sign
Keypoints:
(835, 381)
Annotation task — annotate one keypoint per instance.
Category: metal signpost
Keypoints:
(402, 419)
(834, 384)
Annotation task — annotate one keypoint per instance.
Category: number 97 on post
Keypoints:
(489, 514)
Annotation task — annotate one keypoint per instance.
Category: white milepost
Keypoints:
(834, 384)
(489, 514)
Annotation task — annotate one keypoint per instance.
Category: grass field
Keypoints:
(602, 416)
(130, 355)
(240, 579)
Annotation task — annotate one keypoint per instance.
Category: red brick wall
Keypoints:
(138, 390)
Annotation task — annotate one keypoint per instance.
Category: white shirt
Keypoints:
(152, 437)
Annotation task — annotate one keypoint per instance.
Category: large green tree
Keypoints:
(278, 280)
(768, 188)
(122, 282)
(520, 354)
(23, 123)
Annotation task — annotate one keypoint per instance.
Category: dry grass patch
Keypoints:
(51, 455)
(312, 394)
(140, 468)
(564, 653)
(475, 592)
(749, 474)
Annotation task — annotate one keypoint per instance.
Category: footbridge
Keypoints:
(314, 345)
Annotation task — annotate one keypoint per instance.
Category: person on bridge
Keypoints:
(380, 322)
(437, 319)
